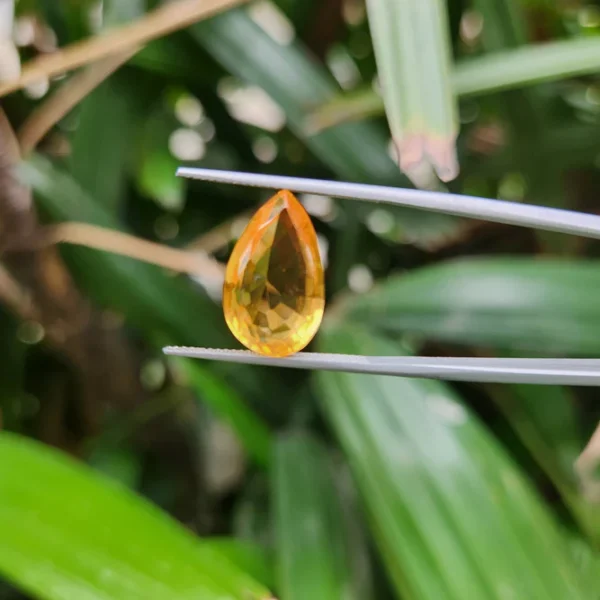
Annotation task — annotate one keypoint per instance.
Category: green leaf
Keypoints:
(100, 171)
(249, 557)
(544, 418)
(69, 20)
(252, 432)
(155, 162)
(356, 152)
(546, 306)
(504, 24)
(438, 488)
(115, 12)
(528, 66)
(119, 463)
(67, 533)
(251, 520)
(301, 14)
(490, 73)
(320, 550)
(169, 57)
(361, 103)
(412, 47)
(505, 28)
(586, 558)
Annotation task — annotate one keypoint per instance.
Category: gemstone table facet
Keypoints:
(274, 291)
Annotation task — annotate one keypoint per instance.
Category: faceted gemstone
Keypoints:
(274, 292)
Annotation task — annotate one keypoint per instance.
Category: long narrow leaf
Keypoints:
(547, 306)
(544, 419)
(318, 553)
(412, 48)
(226, 403)
(493, 72)
(439, 488)
(99, 172)
(248, 557)
(67, 533)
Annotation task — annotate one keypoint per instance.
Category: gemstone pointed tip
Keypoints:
(288, 196)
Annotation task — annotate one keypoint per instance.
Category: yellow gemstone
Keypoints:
(274, 292)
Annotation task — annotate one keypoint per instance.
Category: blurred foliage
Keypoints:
(320, 485)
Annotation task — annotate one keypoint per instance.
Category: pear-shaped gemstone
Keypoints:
(274, 292)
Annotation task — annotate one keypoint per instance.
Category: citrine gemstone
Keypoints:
(274, 291)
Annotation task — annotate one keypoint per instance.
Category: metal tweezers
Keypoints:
(550, 371)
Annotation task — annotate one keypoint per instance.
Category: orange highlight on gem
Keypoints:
(274, 291)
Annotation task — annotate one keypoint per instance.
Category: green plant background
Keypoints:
(219, 481)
